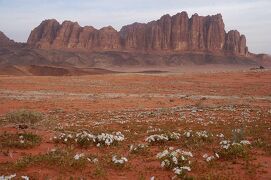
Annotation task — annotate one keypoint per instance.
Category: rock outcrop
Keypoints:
(177, 33)
(44, 35)
(235, 43)
(5, 41)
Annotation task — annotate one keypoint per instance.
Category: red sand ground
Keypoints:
(109, 97)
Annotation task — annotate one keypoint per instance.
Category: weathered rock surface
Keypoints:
(5, 41)
(44, 35)
(177, 33)
(235, 43)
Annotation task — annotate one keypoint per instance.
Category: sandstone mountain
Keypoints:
(5, 41)
(177, 33)
(172, 43)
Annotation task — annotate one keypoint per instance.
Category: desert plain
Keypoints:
(159, 125)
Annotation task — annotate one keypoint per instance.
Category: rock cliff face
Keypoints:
(236, 43)
(170, 33)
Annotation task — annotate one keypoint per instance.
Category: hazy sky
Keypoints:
(250, 17)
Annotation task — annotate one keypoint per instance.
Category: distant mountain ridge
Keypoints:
(177, 33)
(172, 43)
(5, 41)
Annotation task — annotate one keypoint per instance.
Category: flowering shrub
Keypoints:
(85, 139)
(233, 150)
(90, 158)
(188, 133)
(7, 177)
(12, 176)
(197, 138)
(181, 171)
(200, 135)
(220, 135)
(176, 160)
(151, 129)
(204, 135)
(209, 159)
(78, 156)
(119, 161)
(173, 136)
(159, 138)
(136, 148)
(93, 160)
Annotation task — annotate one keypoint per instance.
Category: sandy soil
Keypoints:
(138, 105)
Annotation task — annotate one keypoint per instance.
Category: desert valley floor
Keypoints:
(213, 125)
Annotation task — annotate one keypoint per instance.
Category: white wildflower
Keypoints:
(188, 133)
(25, 177)
(7, 177)
(210, 158)
(121, 160)
(78, 156)
(162, 154)
(95, 160)
(175, 160)
(187, 153)
(245, 142)
(220, 135)
(177, 170)
(186, 168)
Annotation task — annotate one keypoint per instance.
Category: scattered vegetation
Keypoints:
(62, 159)
(119, 161)
(161, 138)
(212, 145)
(138, 148)
(176, 160)
(234, 150)
(24, 117)
(19, 140)
(85, 139)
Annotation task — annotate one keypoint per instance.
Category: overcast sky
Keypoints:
(250, 17)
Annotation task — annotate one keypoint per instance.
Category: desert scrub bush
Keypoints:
(197, 138)
(234, 150)
(138, 148)
(24, 117)
(176, 160)
(20, 140)
(162, 138)
(119, 161)
(54, 158)
(85, 139)
(210, 158)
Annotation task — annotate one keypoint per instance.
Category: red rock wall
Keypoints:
(169, 33)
